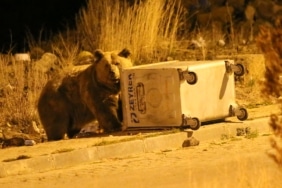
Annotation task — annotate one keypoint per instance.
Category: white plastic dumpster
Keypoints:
(180, 93)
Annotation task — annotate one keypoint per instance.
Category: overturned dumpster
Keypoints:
(180, 93)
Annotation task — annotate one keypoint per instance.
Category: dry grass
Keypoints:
(20, 86)
(66, 48)
(148, 28)
(64, 45)
(21, 82)
(270, 40)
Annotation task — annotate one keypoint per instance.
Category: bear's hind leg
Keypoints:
(54, 133)
(56, 127)
(72, 132)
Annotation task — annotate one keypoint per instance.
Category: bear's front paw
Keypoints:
(118, 127)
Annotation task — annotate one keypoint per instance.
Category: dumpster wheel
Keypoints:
(192, 78)
(195, 123)
(243, 114)
(240, 71)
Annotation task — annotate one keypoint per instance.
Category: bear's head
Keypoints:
(108, 65)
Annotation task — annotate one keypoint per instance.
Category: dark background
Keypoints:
(20, 16)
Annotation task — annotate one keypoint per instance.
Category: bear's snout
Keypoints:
(114, 75)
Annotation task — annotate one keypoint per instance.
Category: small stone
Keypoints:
(189, 133)
(29, 142)
(240, 131)
(169, 58)
(221, 42)
(190, 142)
(248, 130)
(48, 63)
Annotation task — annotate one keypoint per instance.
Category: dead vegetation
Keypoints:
(148, 28)
(270, 40)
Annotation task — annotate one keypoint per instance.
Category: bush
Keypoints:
(269, 40)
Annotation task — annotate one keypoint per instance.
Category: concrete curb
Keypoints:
(122, 149)
(79, 156)
(229, 128)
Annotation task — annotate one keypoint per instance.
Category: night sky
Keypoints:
(19, 16)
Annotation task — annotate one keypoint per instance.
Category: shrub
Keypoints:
(269, 40)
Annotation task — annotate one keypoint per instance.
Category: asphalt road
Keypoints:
(228, 163)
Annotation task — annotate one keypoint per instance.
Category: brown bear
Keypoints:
(69, 102)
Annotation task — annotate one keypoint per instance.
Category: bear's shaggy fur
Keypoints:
(67, 103)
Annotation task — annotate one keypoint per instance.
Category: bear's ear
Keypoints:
(98, 54)
(124, 53)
